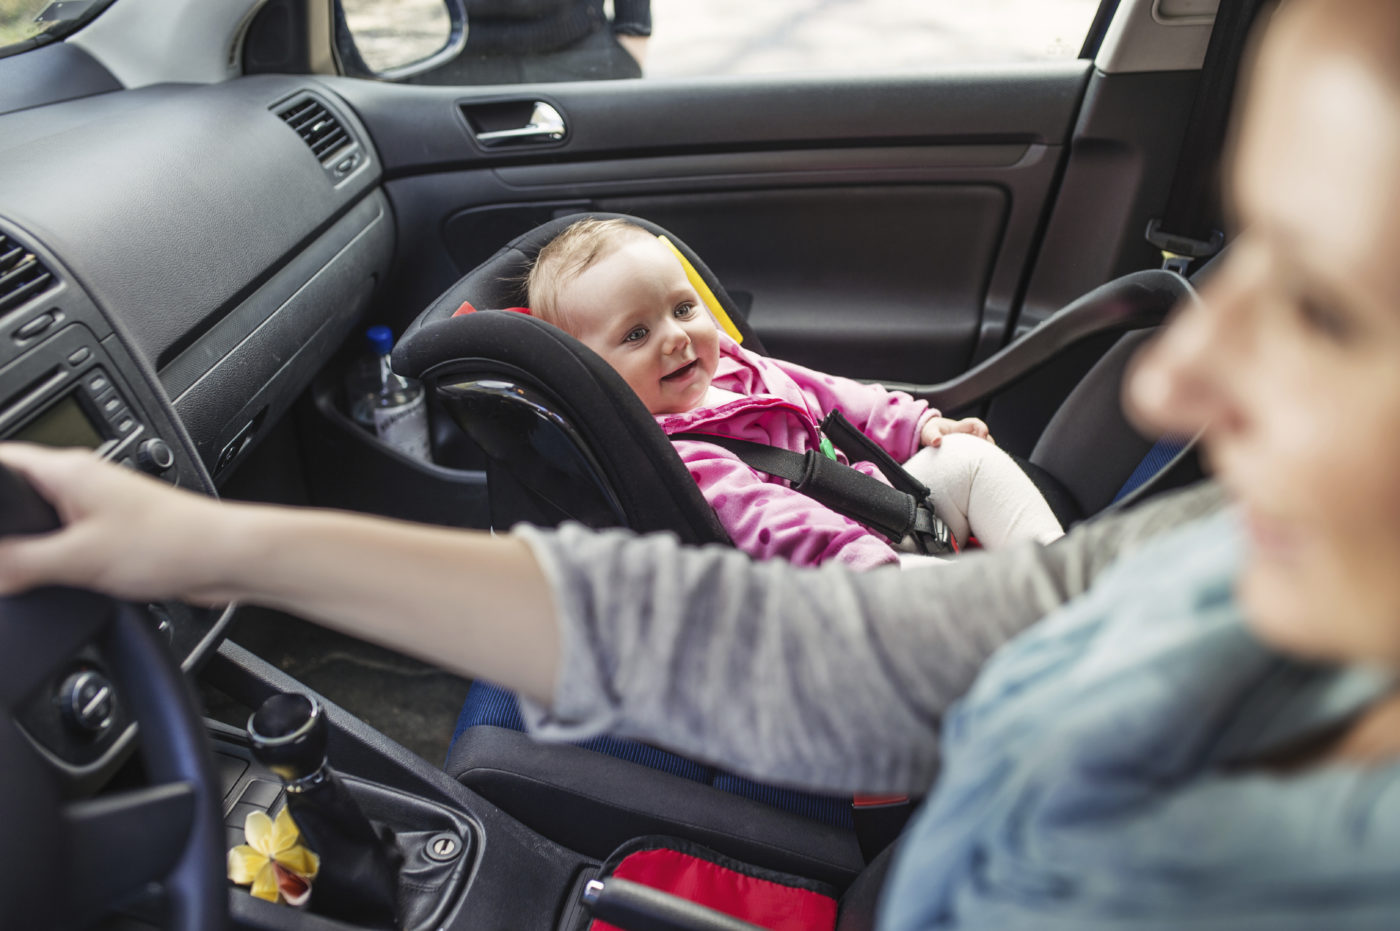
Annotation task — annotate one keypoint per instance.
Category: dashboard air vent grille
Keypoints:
(317, 126)
(22, 275)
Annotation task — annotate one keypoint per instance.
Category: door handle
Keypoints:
(545, 125)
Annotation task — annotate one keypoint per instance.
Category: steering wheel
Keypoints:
(68, 860)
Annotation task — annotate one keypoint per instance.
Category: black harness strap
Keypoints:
(858, 447)
(890, 512)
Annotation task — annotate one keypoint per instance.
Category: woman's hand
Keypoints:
(938, 427)
(469, 602)
(124, 533)
(636, 46)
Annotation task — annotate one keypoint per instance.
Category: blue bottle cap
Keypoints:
(381, 338)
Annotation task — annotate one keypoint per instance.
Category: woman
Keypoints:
(1207, 738)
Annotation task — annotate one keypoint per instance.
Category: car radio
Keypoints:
(72, 395)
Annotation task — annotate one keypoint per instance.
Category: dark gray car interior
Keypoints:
(184, 270)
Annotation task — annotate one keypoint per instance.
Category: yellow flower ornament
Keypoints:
(274, 861)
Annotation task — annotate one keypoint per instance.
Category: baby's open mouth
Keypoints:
(683, 371)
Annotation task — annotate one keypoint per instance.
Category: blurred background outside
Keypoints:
(692, 38)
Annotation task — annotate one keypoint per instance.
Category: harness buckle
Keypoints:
(931, 533)
(1178, 252)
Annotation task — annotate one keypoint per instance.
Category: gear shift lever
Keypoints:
(359, 864)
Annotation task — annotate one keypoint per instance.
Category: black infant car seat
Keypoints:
(566, 439)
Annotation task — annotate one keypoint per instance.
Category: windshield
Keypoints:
(25, 24)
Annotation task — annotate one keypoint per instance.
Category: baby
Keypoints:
(623, 293)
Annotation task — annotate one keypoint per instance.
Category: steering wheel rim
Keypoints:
(79, 857)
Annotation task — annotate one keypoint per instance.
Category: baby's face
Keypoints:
(637, 310)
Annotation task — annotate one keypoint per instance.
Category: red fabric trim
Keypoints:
(467, 308)
(758, 901)
(878, 801)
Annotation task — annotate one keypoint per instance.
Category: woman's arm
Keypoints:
(819, 678)
(822, 678)
(461, 600)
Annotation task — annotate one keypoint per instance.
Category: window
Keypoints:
(392, 33)
(520, 40)
(25, 24)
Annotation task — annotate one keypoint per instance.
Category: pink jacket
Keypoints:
(782, 405)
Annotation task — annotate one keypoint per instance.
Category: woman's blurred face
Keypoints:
(1292, 360)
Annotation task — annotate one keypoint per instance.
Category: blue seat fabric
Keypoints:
(491, 705)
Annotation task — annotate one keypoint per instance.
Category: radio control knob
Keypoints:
(87, 701)
(155, 456)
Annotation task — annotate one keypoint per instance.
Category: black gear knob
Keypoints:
(289, 735)
(360, 861)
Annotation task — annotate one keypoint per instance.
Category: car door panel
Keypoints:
(878, 227)
(423, 128)
(890, 290)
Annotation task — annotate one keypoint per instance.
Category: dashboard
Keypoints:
(176, 264)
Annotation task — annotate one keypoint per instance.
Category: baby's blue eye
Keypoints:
(634, 335)
(684, 311)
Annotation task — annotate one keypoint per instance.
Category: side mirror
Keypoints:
(391, 40)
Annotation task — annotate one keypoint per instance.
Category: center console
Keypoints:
(68, 379)
(465, 863)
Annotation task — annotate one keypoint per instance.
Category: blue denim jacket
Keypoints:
(1093, 775)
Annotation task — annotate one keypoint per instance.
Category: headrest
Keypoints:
(500, 280)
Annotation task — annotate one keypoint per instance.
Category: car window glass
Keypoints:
(559, 40)
(390, 34)
(27, 23)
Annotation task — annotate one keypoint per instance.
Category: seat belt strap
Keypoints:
(838, 486)
(1185, 230)
(890, 512)
(860, 448)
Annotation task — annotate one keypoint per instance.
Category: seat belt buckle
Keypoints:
(931, 533)
(1178, 252)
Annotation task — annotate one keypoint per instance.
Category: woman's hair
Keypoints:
(569, 255)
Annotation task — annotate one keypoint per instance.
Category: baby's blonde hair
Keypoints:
(569, 255)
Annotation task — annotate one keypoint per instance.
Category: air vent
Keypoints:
(315, 123)
(22, 275)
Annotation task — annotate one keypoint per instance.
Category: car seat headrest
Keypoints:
(500, 280)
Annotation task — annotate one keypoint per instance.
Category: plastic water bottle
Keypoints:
(385, 403)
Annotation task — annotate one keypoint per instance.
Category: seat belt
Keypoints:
(1185, 231)
(893, 513)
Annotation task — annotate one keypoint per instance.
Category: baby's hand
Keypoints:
(938, 427)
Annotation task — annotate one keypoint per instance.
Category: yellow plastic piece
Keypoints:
(705, 293)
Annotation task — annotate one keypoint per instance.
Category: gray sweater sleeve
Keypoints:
(817, 678)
